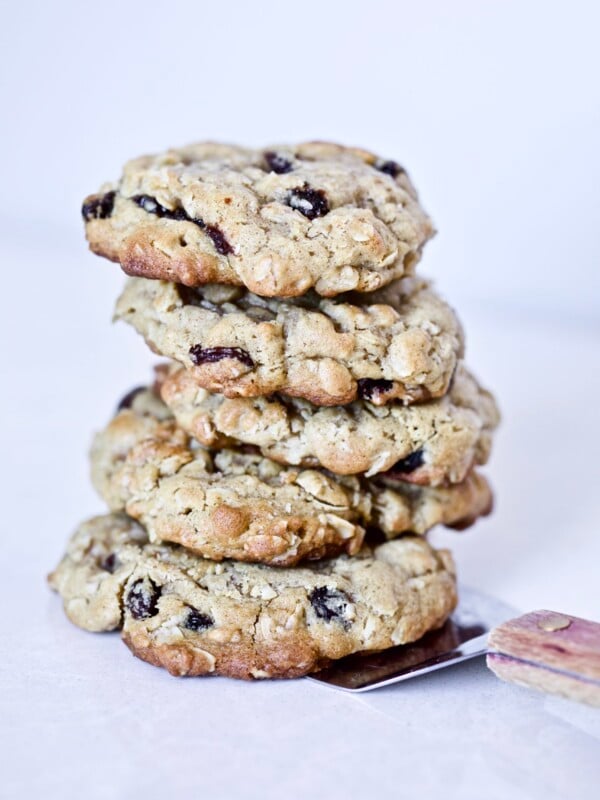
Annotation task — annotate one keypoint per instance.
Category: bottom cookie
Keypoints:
(199, 617)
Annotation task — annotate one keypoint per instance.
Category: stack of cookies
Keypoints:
(270, 491)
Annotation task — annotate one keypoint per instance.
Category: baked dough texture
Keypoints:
(194, 616)
(279, 221)
(232, 503)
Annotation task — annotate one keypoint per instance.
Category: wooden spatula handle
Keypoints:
(556, 653)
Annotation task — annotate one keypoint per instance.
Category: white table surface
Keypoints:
(81, 718)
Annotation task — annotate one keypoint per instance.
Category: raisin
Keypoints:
(127, 400)
(142, 599)
(110, 563)
(329, 604)
(179, 214)
(217, 237)
(278, 163)
(150, 205)
(310, 202)
(390, 168)
(409, 464)
(367, 387)
(197, 621)
(100, 207)
(210, 355)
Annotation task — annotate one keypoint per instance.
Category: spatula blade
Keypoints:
(464, 636)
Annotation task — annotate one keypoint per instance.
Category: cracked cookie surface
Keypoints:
(430, 443)
(238, 504)
(401, 342)
(194, 616)
(279, 221)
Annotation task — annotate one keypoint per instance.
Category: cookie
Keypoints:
(193, 616)
(401, 342)
(235, 503)
(432, 443)
(279, 221)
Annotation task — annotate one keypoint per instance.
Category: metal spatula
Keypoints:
(556, 653)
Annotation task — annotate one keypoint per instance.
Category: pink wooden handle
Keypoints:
(556, 653)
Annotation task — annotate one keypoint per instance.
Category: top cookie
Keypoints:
(279, 221)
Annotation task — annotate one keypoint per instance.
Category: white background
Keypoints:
(494, 108)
